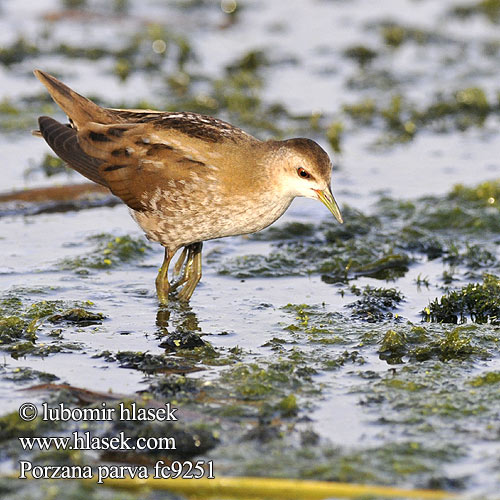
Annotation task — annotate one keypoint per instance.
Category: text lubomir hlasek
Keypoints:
(124, 411)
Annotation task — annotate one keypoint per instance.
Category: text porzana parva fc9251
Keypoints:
(186, 177)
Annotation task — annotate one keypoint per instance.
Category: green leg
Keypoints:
(162, 284)
(180, 262)
(192, 271)
(187, 257)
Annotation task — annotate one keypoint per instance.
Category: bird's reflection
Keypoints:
(176, 317)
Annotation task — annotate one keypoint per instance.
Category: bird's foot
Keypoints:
(192, 274)
(162, 290)
(162, 284)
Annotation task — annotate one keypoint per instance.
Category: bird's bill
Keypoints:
(326, 197)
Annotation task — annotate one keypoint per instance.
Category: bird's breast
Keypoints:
(176, 219)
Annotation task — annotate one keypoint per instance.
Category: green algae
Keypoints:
(182, 340)
(49, 166)
(23, 325)
(395, 35)
(487, 8)
(419, 344)
(435, 399)
(25, 374)
(387, 267)
(322, 461)
(361, 54)
(490, 378)
(337, 253)
(286, 231)
(478, 302)
(279, 385)
(309, 319)
(11, 327)
(457, 230)
(375, 304)
(403, 120)
(486, 194)
(363, 112)
(109, 251)
(17, 51)
(176, 387)
(78, 316)
(288, 406)
(149, 363)
(334, 136)
(12, 426)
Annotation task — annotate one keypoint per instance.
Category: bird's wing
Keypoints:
(132, 159)
(135, 152)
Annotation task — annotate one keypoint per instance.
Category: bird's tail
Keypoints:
(79, 109)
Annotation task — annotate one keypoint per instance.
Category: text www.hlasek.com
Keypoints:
(176, 469)
(84, 441)
(120, 442)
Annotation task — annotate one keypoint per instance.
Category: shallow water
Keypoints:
(307, 74)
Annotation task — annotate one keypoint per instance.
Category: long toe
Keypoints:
(180, 262)
(193, 273)
(162, 284)
(162, 290)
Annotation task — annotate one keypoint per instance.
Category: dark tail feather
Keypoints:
(63, 141)
(80, 109)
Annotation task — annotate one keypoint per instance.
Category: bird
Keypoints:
(186, 177)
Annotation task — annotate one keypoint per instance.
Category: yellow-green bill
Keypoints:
(327, 198)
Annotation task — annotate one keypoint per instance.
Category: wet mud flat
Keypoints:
(366, 352)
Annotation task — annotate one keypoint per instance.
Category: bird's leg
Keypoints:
(192, 271)
(180, 263)
(162, 284)
(187, 257)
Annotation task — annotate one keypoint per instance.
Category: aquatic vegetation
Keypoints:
(25, 374)
(490, 378)
(17, 51)
(362, 112)
(385, 244)
(375, 304)
(286, 231)
(11, 327)
(313, 320)
(175, 387)
(334, 136)
(478, 302)
(464, 108)
(338, 253)
(11, 427)
(486, 194)
(49, 165)
(23, 324)
(182, 340)
(78, 316)
(488, 8)
(415, 343)
(394, 35)
(109, 251)
(361, 54)
(149, 363)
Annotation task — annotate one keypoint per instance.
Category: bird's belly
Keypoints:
(176, 228)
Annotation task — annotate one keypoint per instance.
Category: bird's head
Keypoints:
(306, 170)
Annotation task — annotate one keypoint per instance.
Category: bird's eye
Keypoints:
(302, 172)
